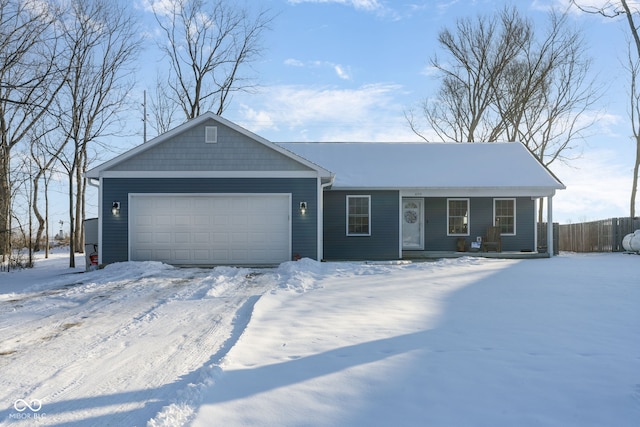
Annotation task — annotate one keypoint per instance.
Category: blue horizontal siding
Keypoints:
(480, 218)
(115, 230)
(382, 244)
(187, 151)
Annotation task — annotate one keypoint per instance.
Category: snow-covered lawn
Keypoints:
(466, 342)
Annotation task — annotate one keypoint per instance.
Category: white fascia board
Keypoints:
(533, 192)
(209, 174)
(478, 192)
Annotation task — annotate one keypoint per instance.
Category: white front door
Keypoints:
(412, 224)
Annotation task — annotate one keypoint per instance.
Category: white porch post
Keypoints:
(320, 214)
(550, 225)
(400, 224)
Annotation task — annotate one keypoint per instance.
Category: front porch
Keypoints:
(427, 255)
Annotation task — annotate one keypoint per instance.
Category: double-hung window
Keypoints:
(358, 215)
(458, 217)
(504, 215)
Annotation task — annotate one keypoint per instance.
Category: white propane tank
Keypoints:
(626, 242)
(634, 243)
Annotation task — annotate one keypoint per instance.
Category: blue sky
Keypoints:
(347, 70)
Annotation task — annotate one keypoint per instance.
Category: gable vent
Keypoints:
(211, 134)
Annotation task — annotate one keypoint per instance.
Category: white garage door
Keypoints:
(210, 229)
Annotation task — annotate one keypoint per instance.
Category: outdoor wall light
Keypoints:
(303, 208)
(115, 208)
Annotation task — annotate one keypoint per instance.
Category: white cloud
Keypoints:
(429, 71)
(302, 113)
(343, 72)
(589, 5)
(261, 119)
(368, 5)
(444, 6)
(161, 7)
(598, 187)
(372, 6)
(293, 62)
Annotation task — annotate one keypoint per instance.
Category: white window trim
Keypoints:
(355, 196)
(515, 216)
(211, 134)
(468, 216)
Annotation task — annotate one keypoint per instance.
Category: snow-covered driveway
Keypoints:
(113, 346)
(464, 342)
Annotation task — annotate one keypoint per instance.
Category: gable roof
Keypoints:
(465, 167)
(99, 170)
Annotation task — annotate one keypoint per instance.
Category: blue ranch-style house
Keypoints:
(210, 192)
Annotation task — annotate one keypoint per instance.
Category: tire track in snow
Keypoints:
(182, 410)
(111, 355)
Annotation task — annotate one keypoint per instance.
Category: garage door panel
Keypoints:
(143, 254)
(240, 254)
(183, 220)
(201, 238)
(210, 229)
(162, 238)
(182, 255)
(201, 255)
(221, 254)
(201, 205)
(161, 254)
(221, 219)
(162, 220)
(240, 220)
(220, 238)
(144, 237)
(182, 238)
(200, 220)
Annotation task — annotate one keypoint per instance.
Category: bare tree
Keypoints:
(500, 81)
(478, 55)
(207, 44)
(611, 9)
(44, 152)
(503, 81)
(30, 79)
(101, 43)
(163, 109)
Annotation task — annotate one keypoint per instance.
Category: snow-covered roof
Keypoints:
(430, 165)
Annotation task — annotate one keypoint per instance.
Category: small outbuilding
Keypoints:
(210, 192)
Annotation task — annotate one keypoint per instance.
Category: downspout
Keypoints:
(536, 224)
(97, 183)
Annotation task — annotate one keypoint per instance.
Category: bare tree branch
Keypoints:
(503, 81)
(101, 43)
(612, 10)
(208, 43)
(31, 79)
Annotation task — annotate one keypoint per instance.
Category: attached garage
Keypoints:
(210, 229)
(207, 193)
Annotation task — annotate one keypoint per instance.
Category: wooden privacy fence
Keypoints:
(597, 236)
